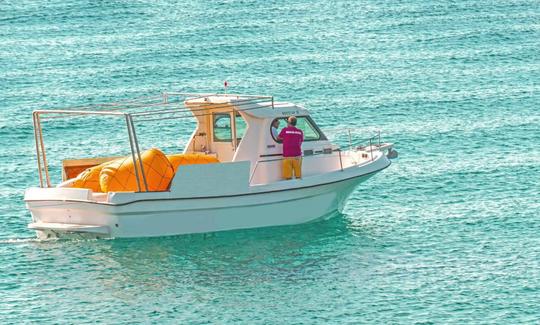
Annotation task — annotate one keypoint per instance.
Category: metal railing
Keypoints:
(338, 150)
(373, 143)
(140, 110)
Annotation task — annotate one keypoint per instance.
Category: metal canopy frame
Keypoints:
(141, 109)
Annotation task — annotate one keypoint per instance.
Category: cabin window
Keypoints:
(223, 130)
(222, 127)
(241, 127)
(304, 123)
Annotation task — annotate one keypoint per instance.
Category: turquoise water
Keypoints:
(450, 233)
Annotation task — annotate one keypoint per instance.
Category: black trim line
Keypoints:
(314, 153)
(271, 155)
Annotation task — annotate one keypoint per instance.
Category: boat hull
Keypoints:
(163, 217)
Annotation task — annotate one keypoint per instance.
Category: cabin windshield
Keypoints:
(304, 123)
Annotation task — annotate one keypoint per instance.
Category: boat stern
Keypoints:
(65, 213)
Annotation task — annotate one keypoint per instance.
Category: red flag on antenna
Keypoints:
(226, 84)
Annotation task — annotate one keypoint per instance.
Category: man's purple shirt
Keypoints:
(292, 141)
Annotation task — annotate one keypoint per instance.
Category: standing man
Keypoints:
(292, 139)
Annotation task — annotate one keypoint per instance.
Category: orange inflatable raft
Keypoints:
(119, 175)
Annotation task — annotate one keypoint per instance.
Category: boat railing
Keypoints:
(167, 106)
(358, 143)
(366, 144)
(281, 158)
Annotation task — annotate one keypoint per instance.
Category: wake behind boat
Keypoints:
(228, 176)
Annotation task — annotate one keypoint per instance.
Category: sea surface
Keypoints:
(450, 233)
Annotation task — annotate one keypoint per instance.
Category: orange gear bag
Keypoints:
(119, 175)
(190, 159)
(89, 178)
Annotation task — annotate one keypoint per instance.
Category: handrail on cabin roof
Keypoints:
(156, 105)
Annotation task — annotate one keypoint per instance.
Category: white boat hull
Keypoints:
(56, 214)
(186, 216)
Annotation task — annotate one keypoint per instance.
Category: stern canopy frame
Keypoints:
(165, 107)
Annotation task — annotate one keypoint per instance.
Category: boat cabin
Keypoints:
(238, 129)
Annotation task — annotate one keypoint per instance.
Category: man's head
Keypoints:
(291, 120)
(275, 123)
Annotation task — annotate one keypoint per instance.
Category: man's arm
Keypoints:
(280, 136)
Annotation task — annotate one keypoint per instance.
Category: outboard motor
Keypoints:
(392, 153)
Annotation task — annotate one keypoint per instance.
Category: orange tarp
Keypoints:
(119, 175)
(89, 179)
(190, 159)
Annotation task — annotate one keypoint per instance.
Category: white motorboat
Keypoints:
(242, 189)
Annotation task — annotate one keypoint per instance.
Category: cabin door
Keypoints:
(222, 135)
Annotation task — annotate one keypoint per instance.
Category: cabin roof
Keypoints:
(258, 109)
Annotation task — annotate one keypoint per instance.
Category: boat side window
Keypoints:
(223, 130)
(240, 127)
(304, 123)
(222, 127)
